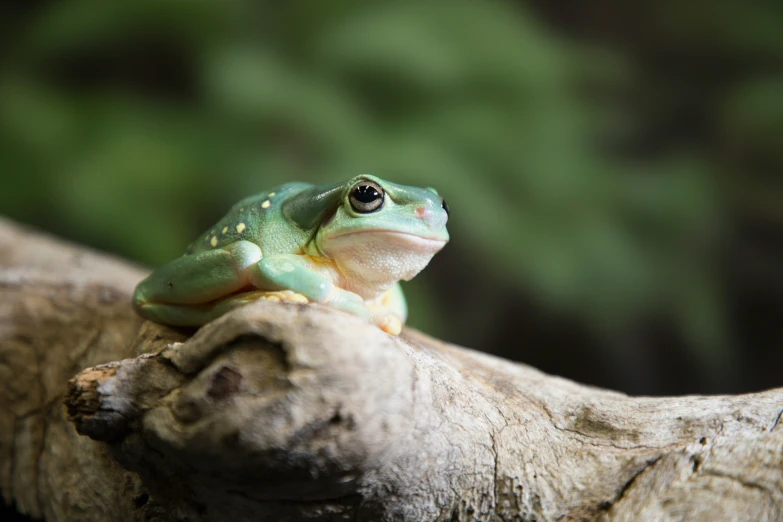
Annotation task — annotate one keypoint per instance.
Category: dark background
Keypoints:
(613, 168)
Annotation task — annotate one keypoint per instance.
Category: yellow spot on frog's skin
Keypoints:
(242, 209)
(271, 194)
(240, 227)
(225, 229)
(214, 241)
(265, 204)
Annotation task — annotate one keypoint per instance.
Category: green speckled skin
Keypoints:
(267, 228)
(300, 242)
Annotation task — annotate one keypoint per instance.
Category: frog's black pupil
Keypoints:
(366, 193)
(445, 206)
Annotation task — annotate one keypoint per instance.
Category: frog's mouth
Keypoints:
(401, 239)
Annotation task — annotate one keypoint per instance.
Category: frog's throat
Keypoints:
(371, 262)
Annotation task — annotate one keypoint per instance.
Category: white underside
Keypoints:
(371, 262)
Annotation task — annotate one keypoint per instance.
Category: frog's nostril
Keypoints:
(421, 212)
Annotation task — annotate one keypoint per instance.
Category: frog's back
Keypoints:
(258, 219)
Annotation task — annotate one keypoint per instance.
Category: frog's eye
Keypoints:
(366, 197)
(445, 206)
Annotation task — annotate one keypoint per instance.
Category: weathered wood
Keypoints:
(287, 412)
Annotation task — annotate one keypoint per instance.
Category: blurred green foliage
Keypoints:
(134, 125)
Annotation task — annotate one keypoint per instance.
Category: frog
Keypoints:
(346, 245)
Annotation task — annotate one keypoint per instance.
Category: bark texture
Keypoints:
(280, 412)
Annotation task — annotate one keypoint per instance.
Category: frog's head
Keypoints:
(381, 232)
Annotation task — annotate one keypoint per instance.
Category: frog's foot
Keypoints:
(389, 323)
(386, 321)
(286, 296)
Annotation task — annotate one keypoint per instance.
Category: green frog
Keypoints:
(346, 245)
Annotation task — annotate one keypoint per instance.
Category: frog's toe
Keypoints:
(391, 324)
(287, 296)
(293, 297)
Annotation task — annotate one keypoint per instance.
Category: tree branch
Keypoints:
(288, 412)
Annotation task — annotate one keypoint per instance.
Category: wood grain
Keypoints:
(282, 412)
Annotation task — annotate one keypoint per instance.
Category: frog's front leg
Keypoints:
(189, 291)
(315, 282)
